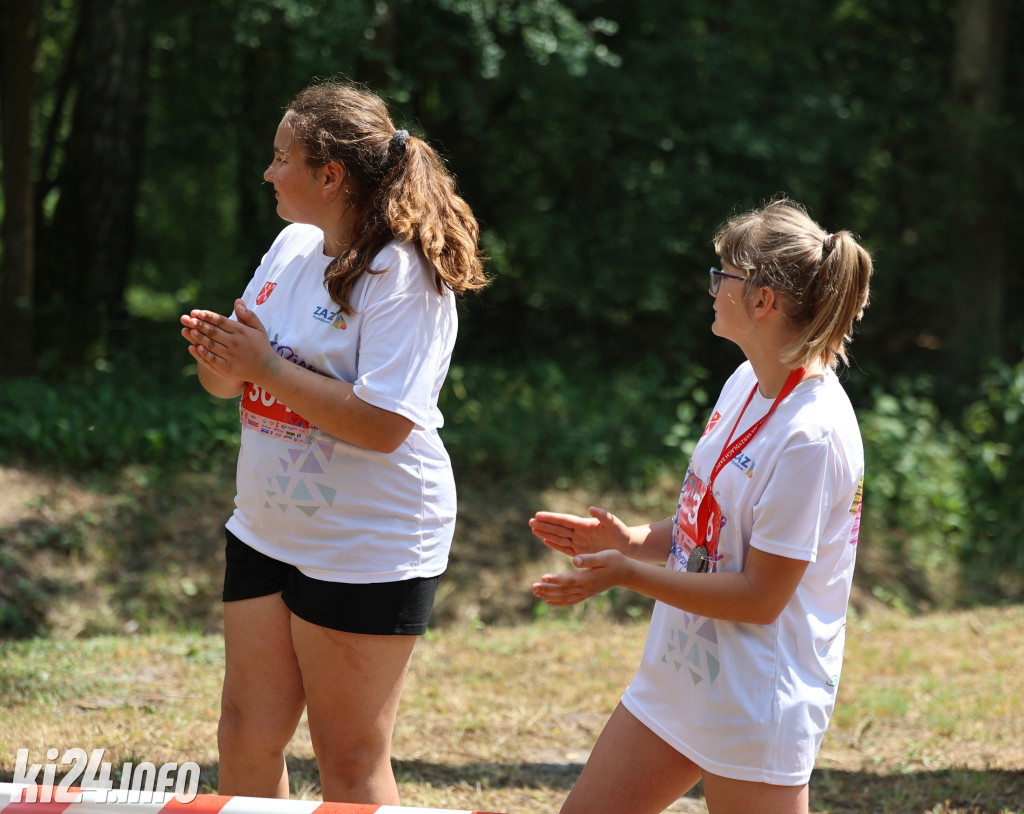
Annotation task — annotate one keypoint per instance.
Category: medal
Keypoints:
(706, 521)
(698, 560)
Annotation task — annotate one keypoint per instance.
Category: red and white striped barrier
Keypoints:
(93, 801)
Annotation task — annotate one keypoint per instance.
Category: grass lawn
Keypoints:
(500, 718)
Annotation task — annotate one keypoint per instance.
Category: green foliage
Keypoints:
(942, 516)
(942, 498)
(602, 428)
(915, 503)
(600, 143)
(994, 440)
(22, 604)
(124, 410)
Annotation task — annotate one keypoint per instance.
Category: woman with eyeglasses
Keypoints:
(752, 575)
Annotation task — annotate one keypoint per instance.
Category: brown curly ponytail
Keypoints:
(397, 184)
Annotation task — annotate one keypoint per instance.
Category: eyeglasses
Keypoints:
(715, 281)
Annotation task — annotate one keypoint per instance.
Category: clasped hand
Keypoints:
(596, 545)
(232, 349)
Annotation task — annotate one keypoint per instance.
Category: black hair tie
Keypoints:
(396, 147)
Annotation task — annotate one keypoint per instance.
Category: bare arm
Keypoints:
(217, 385)
(333, 406)
(239, 351)
(757, 594)
(574, 535)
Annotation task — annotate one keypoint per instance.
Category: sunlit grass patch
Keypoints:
(941, 689)
(502, 718)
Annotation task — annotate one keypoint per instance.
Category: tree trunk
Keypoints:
(18, 35)
(979, 69)
(85, 251)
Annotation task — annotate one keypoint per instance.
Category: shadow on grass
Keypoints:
(944, 791)
(489, 775)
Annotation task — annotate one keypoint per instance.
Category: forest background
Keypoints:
(600, 143)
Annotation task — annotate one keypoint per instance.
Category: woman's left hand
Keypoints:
(598, 572)
(231, 349)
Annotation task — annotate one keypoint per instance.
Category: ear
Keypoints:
(332, 176)
(765, 303)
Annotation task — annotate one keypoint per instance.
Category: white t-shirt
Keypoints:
(746, 701)
(339, 512)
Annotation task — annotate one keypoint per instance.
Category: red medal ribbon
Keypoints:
(733, 449)
(704, 554)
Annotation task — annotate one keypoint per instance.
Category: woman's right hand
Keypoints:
(574, 535)
(214, 381)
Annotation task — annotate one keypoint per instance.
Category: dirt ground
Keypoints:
(118, 554)
(94, 554)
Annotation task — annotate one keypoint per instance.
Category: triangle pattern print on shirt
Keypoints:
(693, 650)
(298, 488)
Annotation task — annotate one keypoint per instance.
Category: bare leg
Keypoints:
(353, 683)
(725, 795)
(631, 769)
(262, 699)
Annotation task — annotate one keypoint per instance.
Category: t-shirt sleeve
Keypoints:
(793, 511)
(294, 237)
(403, 346)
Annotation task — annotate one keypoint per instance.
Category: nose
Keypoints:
(268, 174)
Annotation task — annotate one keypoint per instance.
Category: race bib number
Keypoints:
(261, 412)
(695, 530)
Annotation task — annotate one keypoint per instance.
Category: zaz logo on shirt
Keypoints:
(336, 319)
(745, 463)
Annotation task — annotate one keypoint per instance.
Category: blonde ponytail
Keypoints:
(822, 279)
(836, 299)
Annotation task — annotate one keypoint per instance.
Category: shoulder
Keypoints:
(744, 374)
(742, 379)
(297, 238)
(820, 410)
(402, 270)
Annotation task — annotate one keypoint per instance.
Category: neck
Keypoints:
(769, 384)
(763, 346)
(338, 236)
(336, 245)
(771, 376)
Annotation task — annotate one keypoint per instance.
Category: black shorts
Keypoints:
(376, 608)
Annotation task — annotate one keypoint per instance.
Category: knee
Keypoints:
(351, 761)
(242, 730)
(232, 734)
